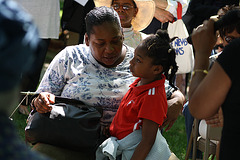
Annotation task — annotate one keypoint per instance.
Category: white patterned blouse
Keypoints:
(74, 73)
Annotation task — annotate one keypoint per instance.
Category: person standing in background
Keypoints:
(72, 21)
(45, 15)
(18, 44)
(165, 11)
(200, 10)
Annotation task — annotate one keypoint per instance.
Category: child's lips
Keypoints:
(131, 70)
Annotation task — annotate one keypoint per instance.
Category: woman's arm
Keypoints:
(175, 105)
(207, 91)
(149, 133)
(210, 93)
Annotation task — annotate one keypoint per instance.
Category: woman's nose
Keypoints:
(120, 9)
(109, 48)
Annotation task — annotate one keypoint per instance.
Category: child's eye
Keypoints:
(137, 60)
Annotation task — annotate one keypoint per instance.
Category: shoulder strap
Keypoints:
(179, 11)
(59, 99)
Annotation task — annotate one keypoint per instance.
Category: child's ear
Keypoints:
(157, 69)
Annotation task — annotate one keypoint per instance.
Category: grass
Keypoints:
(176, 136)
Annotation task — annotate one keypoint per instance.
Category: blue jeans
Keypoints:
(188, 125)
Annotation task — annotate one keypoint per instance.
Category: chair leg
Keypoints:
(189, 146)
(195, 135)
(213, 156)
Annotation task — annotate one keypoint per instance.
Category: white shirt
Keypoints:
(172, 6)
(132, 38)
(74, 73)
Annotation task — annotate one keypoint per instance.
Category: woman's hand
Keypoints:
(204, 39)
(43, 101)
(216, 120)
(175, 105)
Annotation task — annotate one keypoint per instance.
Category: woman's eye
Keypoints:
(99, 44)
(116, 41)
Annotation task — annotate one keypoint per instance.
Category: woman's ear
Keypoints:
(157, 69)
(86, 39)
(135, 12)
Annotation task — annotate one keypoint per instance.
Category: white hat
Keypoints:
(145, 14)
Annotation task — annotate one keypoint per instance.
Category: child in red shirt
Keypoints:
(145, 104)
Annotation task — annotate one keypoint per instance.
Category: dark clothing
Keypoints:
(30, 79)
(154, 26)
(229, 61)
(18, 43)
(200, 10)
(73, 17)
(11, 146)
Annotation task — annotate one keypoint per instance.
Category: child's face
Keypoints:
(141, 65)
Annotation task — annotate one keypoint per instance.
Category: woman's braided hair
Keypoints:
(160, 50)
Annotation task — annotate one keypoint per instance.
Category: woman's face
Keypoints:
(229, 37)
(106, 44)
(126, 11)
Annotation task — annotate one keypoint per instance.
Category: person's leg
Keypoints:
(58, 153)
(88, 7)
(30, 80)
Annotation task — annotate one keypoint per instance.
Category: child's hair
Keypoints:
(160, 50)
(100, 15)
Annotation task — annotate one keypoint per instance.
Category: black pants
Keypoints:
(30, 80)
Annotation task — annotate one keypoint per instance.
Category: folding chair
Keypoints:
(204, 145)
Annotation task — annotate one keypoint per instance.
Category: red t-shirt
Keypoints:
(142, 102)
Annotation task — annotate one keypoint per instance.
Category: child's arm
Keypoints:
(149, 133)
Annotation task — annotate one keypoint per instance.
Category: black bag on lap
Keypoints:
(71, 124)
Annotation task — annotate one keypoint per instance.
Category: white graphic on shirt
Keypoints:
(137, 124)
(130, 102)
(151, 91)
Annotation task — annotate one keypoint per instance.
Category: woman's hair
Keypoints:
(98, 16)
(160, 50)
(233, 22)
